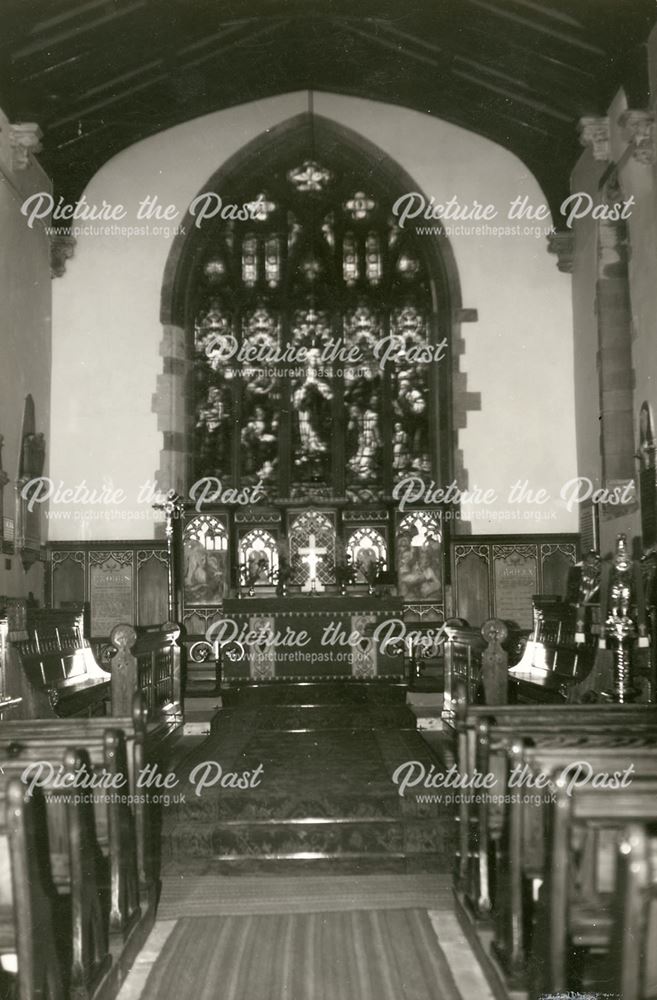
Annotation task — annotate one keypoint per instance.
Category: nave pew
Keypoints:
(100, 895)
(494, 750)
(523, 854)
(29, 952)
(498, 866)
(39, 758)
(576, 901)
(127, 738)
(633, 945)
(477, 724)
(82, 878)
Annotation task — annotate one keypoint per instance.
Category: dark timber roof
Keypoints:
(98, 75)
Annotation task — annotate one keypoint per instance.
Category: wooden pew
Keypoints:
(525, 719)
(494, 748)
(525, 851)
(554, 667)
(147, 660)
(114, 820)
(583, 918)
(27, 897)
(19, 738)
(633, 942)
(467, 652)
(79, 872)
(48, 663)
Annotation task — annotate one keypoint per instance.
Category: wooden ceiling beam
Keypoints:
(84, 110)
(265, 30)
(66, 36)
(67, 15)
(395, 46)
(514, 97)
(533, 25)
(549, 11)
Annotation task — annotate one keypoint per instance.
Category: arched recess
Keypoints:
(301, 138)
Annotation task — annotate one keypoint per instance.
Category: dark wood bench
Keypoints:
(147, 660)
(555, 666)
(633, 943)
(21, 737)
(494, 749)
(526, 852)
(49, 663)
(28, 927)
(576, 908)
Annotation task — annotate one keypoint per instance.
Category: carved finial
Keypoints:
(24, 138)
(639, 129)
(123, 637)
(562, 244)
(62, 248)
(594, 132)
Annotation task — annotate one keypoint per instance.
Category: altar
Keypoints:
(299, 638)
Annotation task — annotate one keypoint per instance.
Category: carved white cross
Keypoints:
(311, 555)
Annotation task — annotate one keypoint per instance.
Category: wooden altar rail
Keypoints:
(74, 909)
(147, 660)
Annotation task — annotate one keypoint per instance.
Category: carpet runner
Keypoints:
(325, 801)
(248, 895)
(362, 955)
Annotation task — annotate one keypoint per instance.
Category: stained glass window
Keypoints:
(310, 319)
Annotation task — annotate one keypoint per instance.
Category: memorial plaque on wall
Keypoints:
(516, 580)
(111, 594)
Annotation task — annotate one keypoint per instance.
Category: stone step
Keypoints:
(305, 718)
(226, 841)
(306, 807)
(343, 864)
(315, 693)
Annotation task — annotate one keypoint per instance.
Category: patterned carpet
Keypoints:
(361, 955)
(325, 800)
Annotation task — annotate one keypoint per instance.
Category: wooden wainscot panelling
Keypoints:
(123, 581)
(497, 575)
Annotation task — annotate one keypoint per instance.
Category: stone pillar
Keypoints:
(616, 373)
(169, 403)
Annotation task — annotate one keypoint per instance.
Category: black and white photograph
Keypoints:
(328, 500)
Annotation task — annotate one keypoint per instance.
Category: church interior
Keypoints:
(328, 500)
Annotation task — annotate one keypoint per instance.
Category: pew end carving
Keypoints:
(147, 660)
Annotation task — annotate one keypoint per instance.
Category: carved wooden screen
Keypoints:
(313, 333)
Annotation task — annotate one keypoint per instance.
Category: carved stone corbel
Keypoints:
(562, 245)
(24, 138)
(594, 132)
(62, 248)
(639, 129)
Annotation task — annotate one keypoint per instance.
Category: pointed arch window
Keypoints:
(314, 322)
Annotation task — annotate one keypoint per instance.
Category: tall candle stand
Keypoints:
(622, 632)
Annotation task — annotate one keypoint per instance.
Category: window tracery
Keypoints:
(307, 330)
